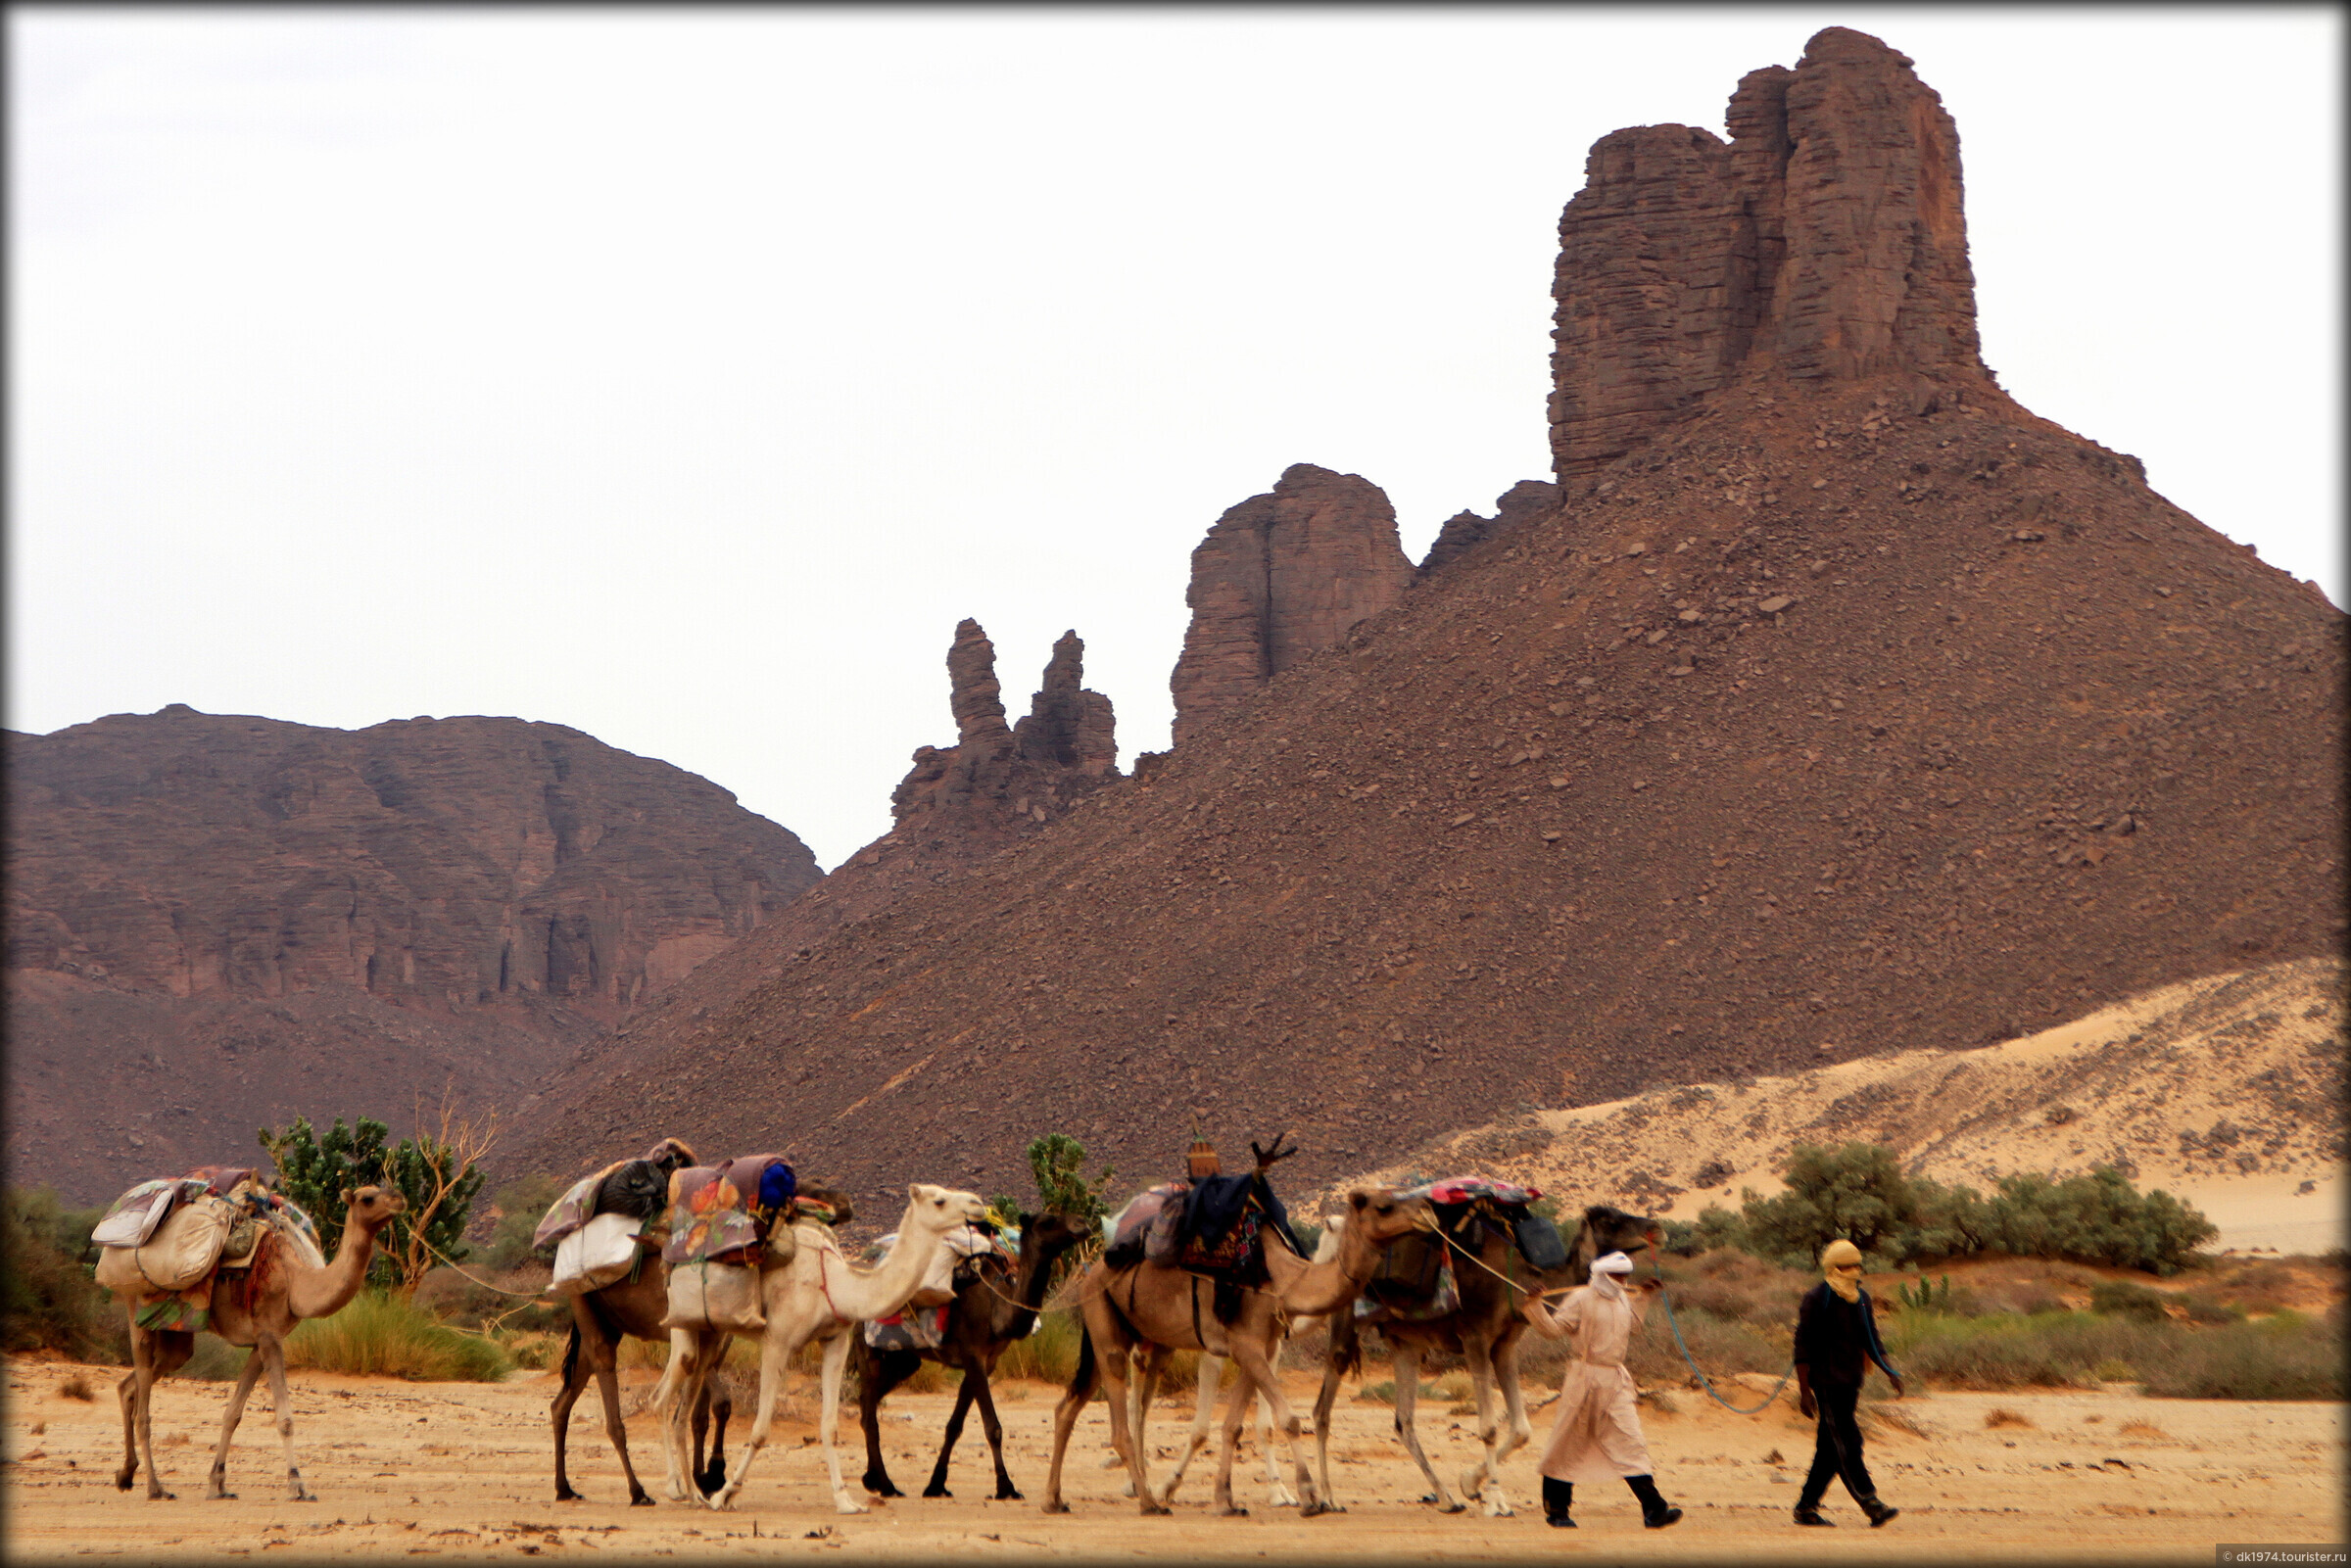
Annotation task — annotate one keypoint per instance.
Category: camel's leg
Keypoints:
(718, 1398)
(215, 1484)
(682, 1382)
(1147, 1364)
(964, 1391)
(1323, 1401)
(886, 1370)
(1516, 1428)
(1204, 1416)
(155, 1355)
(1483, 1479)
(1257, 1370)
(1066, 1413)
(1006, 1491)
(607, 1385)
(1277, 1493)
(775, 1369)
(270, 1345)
(837, 1356)
(1408, 1395)
(1125, 1440)
(575, 1383)
(126, 1393)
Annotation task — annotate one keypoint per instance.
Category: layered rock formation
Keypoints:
(1280, 575)
(998, 783)
(1526, 501)
(479, 896)
(1825, 239)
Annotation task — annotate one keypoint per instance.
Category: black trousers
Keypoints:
(1836, 1447)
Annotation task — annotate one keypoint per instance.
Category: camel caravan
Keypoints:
(664, 1249)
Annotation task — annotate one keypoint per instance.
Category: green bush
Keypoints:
(2284, 1356)
(1859, 1193)
(2122, 1299)
(2061, 1350)
(521, 1204)
(435, 1179)
(48, 1299)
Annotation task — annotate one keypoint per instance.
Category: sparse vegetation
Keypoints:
(1860, 1193)
(439, 1176)
(48, 1299)
(520, 1204)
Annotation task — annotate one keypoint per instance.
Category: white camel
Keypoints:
(819, 1295)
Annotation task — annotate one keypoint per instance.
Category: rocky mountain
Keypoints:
(1833, 704)
(218, 920)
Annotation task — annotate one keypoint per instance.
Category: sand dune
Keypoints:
(2222, 1091)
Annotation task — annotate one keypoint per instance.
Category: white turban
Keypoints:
(1606, 1270)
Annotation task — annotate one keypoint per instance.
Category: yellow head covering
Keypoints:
(1841, 1254)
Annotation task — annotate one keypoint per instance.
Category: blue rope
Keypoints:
(1703, 1381)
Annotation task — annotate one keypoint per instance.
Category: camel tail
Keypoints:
(1082, 1381)
(571, 1354)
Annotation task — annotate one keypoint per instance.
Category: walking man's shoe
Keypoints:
(1811, 1516)
(1879, 1512)
(1558, 1521)
(1665, 1516)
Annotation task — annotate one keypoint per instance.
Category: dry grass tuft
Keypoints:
(2001, 1415)
(2143, 1429)
(75, 1387)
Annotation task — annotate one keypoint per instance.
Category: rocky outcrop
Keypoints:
(1278, 577)
(444, 862)
(1825, 239)
(219, 922)
(1528, 501)
(996, 783)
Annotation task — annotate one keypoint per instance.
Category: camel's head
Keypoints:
(372, 1207)
(1053, 1233)
(941, 1208)
(1379, 1215)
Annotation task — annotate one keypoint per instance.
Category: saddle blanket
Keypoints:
(715, 1210)
(917, 1328)
(1469, 1189)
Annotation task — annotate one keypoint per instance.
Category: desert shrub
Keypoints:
(2062, 1349)
(2001, 1415)
(1738, 1285)
(48, 1299)
(437, 1178)
(1858, 1192)
(1048, 1355)
(520, 1204)
(2203, 1307)
(2122, 1299)
(1719, 1346)
(383, 1336)
(2285, 1356)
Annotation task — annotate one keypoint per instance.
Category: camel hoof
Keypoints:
(1055, 1506)
(1236, 1511)
(883, 1490)
(162, 1496)
(936, 1491)
(641, 1501)
(1448, 1507)
(1008, 1495)
(566, 1494)
(850, 1507)
(1314, 1509)
(219, 1497)
(123, 1480)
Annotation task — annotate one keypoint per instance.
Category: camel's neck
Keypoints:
(879, 1291)
(1310, 1290)
(1035, 1273)
(324, 1292)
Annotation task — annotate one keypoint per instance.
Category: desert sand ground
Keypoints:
(462, 1471)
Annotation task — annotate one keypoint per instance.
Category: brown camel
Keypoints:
(1484, 1331)
(1166, 1309)
(983, 1318)
(600, 1319)
(289, 1281)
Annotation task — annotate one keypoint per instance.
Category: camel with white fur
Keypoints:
(819, 1295)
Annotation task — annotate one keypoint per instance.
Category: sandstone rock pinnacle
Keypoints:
(1526, 501)
(996, 783)
(1280, 575)
(1825, 239)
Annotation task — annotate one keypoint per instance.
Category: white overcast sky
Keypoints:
(684, 377)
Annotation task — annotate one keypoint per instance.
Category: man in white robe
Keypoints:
(1597, 1435)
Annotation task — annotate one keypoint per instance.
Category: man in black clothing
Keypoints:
(1836, 1338)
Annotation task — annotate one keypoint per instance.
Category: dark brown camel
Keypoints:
(1484, 1331)
(980, 1322)
(600, 1319)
